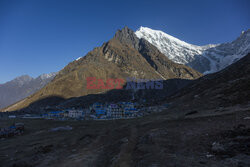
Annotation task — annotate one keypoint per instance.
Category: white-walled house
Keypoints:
(114, 111)
(75, 113)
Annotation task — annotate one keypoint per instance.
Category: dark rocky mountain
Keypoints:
(226, 88)
(123, 56)
(22, 87)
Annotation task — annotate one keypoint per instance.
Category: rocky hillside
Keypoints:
(22, 87)
(226, 88)
(206, 59)
(123, 56)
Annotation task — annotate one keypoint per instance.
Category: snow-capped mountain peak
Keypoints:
(159, 36)
(47, 76)
(175, 49)
(78, 58)
(206, 59)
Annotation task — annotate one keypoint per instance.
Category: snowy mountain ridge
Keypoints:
(47, 76)
(206, 59)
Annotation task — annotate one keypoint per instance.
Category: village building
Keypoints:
(114, 111)
(66, 114)
(130, 110)
(99, 110)
(56, 114)
(75, 114)
(12, 116)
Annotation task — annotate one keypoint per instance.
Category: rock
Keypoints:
(209, 155)
(62, 128)
(191, 113)
(44, 149)
(218, 148)
(124, 140)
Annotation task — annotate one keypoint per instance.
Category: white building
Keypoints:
(12, 116)
(75, 113)
(114, 111)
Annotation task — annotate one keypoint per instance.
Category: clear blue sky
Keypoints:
(42, 36)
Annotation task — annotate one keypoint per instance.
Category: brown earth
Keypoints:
(163, 139)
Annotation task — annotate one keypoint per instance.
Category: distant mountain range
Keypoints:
(205, 59)
(144, 54)
(22, 87)
(123, 56)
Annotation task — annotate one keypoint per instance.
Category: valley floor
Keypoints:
(152, 141)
